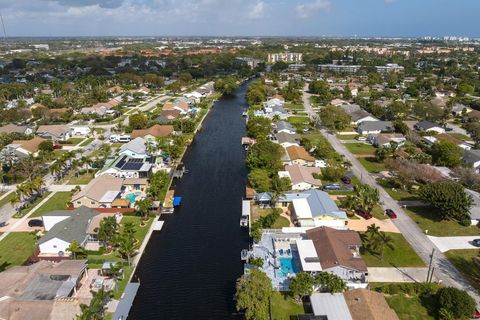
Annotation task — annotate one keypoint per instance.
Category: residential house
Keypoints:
(428, 126)
(136, 148)
(368, 305)
(302, 177)
(330, 306)
(13, 128)
(170, 114)
(127, 167)
(473, 115)
(283, 126)
(339, 253)
(100, 109)
(155, 131)
(195, 96)
(143, 90)
(54, 132)
(313, 208)
(357, 114)
(181, 106)
(459, 109)
(99, 192)
(385, 139)
(472, 158)
(63, 227)
(20, 149)
(374, 127)
(287, 140)
(338, 102)
(79, 130)
(298, 155)
(430, 140)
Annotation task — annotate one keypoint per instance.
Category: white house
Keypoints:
(80, 130)
(302, 177)
(428, 126)
(136, 148)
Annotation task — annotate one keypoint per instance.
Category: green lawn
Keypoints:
(7, 199)
(372, 165)
(426, 219)
(83, 178)
(346, 136)
(298, 120)
(282, 306)
(378, 213)
(73, 141)
(460, 136)
(16, 248)
(86, 142)
(399, 195)
(57, 202)
(279, 223)
(360, 148)
(30, 206)
(412, 307)
(401, 256)
(463, 261)
(294, 106)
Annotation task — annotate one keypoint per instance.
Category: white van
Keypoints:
(124, 138)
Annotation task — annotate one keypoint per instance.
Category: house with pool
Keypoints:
(289, 251)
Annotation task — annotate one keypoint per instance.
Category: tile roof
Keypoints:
(157, 131)
(299, 174)
(30, 145)
(55, 129)
(9, 128)
(337, 248)
(98, 187)
(368, 305)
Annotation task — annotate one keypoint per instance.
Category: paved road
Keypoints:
(444, 270)
(150, 105)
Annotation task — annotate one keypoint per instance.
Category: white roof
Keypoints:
(246, 208)
(308, 256)
(331, 305)
(302, 208)
(109, 196)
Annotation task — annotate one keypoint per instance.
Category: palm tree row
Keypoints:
(28, 189)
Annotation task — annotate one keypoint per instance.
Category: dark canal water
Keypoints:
(189, 268)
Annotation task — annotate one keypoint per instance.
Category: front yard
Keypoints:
(57, 202)
(360, 148)
(16, 248)
(397, 194)
(31, 205)
(463, 260)
(82, 178)
(372, 165)
(401, 256)
(427, 220)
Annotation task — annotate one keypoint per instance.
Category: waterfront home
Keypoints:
(301, 177)
(263, 199)
(155, 131)
(385, 139)
(136, 148)
(99, 192)
(63, 227)
(298, 155)
(374, 127)
(124, 166)
(339, 253)
(13, 128)
(182, 107)
(428, 126)
(44, 290)
(20, 149)
(287, 140)
(170, 114)
(54, 132)
(472, 158)
(430, 140)
(330, 306)
(313, 208)
(195, 96)
(283, 126)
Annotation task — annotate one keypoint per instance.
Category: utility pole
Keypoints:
(430, 269)
(4, 30)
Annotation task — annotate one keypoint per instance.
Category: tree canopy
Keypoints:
(253, 295)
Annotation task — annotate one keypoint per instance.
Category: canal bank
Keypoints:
(189, 269)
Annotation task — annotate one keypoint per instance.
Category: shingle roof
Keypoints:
(296, 152)
(136, 145)
(9, 128)
(368, 305)
(425, 125)
(375, 126)
(283, 137)
(299, 174)
(30, 145)
(55, 129)
(471, 156)
(97, 188)
(157, 131)
(336, 247)
(283, 125)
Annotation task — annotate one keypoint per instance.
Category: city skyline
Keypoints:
(343, 18)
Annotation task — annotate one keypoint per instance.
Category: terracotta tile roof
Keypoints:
(157, 131)
(121, 203)
(30, 145)
(337, 248)
(295, 152)
(368, 305)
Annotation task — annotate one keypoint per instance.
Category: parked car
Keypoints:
(363, 213)
(361, 138)
(391, 214)
(476, 242)
(333, 186)
(57, 146)
(346, 180)
(448, 129)
(35, 223)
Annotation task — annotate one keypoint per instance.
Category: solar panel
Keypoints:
(121, 162)
(132, 166)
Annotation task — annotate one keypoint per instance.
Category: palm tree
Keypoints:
(75, 249)
(127, 246)
(107, 230)
(96, 309)
(384, 240)
(143, 207)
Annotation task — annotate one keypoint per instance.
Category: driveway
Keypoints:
(453, 243)
(398, 274)
(422, 245)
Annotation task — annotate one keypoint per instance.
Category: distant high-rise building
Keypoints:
(285, 57)
(247, 61)
(389, 67)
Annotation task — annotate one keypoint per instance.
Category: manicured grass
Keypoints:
(372, 165)
(280, 223)
(122, 283)
(460, 136)
(73, 141)
(86, 142)
(140, 232)
(30, 206)
(7, 199)
(412, 307)
(426, 218)
(401, 256)
(378, 213)
(360, 148)
(294, 106)
(346, 136)
(283, 306)
(298, 120)
(16, 248)
(463, 261)
(399, 195)
(57, 202)
(83, 178)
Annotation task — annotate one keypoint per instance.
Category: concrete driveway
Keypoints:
(398, 274)
(453, 243)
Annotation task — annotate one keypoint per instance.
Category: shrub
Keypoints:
(456, 303)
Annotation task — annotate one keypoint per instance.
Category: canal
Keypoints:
(189, 268)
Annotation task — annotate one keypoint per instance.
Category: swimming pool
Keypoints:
(131, 197)
(287, 265)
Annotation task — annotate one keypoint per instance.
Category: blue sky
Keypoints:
(241, 17)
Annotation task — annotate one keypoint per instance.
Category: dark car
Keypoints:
(391, 214)
(448, 129)
(363, 213)
(346, 180)
(476, 242)
(35, 223)
(333, 186)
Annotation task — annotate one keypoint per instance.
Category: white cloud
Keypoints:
(308, 9)
(257, 10)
